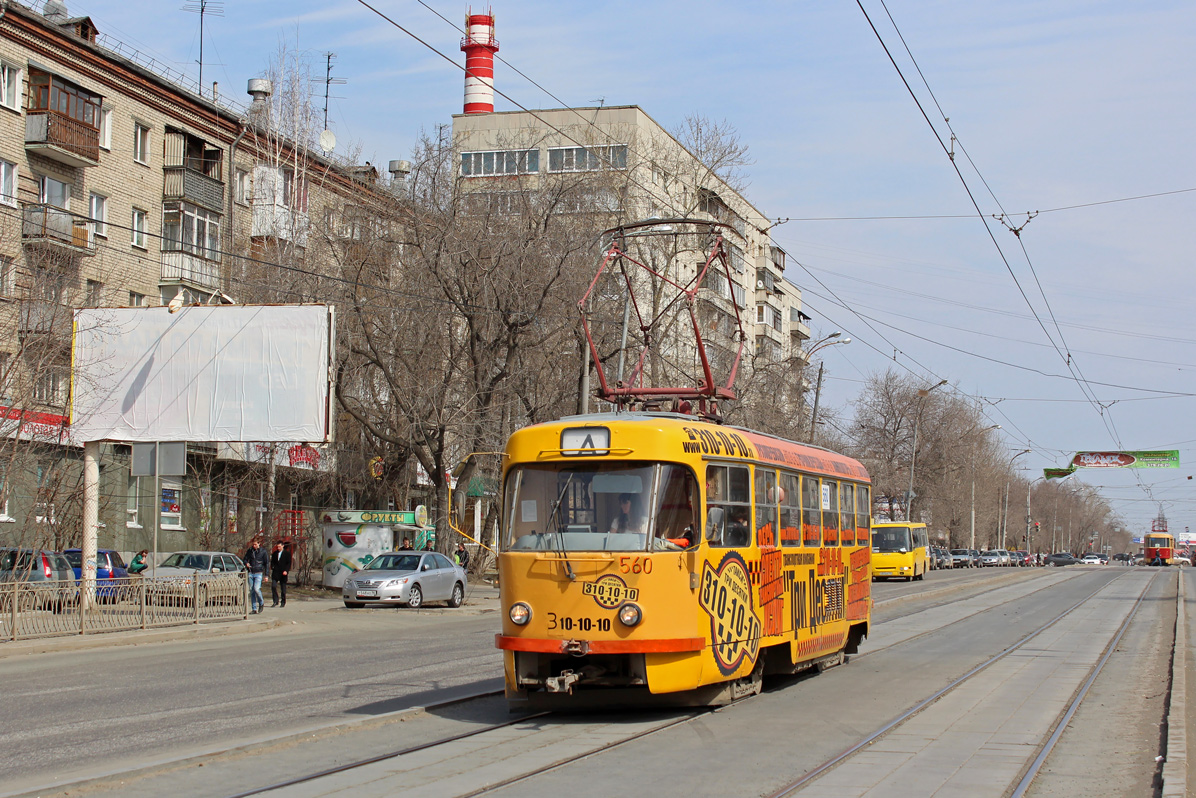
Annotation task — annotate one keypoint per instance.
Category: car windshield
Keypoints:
(961, 552)
(394, 562)
(198, 562)
(890, 538)
(598, 507)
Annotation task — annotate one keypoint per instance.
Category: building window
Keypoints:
(95, 293)
(141, 139)
(54, 192)
(241, 186)
(8, 276)
(106, 128)
(49, 388)
(133, 503)
(587, 159)
(10, 86)
(139, 228)
(172, 505)
(504, 162)
(8, 183)
(136, 300)
(97, 209)
(187, 228)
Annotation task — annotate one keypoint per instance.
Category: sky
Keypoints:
(1075, 334)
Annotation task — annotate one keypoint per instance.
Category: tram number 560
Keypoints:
(635, 565)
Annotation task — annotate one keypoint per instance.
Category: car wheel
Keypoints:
(458, 596)
(354, 605)
(415, 598)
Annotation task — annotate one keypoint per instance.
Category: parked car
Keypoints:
(1005, 559)
(1059, 560)
(961, 558)
(942, 558)
(1091, 559)
(977, 558)
(990, 559)
(1123, 557)
(111, 572)
(1179, 558)
(406, 578)
(1022, 558)
(45, 578)
(174, 579)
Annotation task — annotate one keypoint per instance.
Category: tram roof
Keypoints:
(769, 448)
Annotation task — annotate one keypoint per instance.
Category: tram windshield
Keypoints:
(599, 507)
(891, 539)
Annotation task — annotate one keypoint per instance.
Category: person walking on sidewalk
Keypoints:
(280, 566)
(255, 563)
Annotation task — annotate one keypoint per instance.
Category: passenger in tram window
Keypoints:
(830, 513)
(739, 530)
(714, 512)
(811, 514)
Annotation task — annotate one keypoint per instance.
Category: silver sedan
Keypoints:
(410, 578)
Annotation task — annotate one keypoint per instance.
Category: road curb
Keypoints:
(77, 642)
(1175, 766)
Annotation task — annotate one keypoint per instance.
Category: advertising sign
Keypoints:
(1163, 459)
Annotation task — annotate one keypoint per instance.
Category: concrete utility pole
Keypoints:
(909, 496)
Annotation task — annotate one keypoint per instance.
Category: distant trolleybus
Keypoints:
(655, 556)
(900, 550)
(1158, 548)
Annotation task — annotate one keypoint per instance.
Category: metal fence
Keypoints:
(52, 608)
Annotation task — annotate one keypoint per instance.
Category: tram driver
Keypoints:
(630, 517)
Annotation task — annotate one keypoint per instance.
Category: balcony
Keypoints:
(48, 225)
(189, 185)
(43, 318)
(191, 269)
(62, 138)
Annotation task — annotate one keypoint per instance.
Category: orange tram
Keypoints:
(650, 557)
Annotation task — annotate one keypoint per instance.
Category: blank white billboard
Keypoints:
(204, 373)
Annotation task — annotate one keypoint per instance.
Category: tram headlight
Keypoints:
(630, 614)
(520, 613)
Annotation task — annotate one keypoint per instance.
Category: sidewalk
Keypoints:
(479, 598)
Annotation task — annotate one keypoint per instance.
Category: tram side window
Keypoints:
(728, 506)
(830, 513)
(847, 512)
(863, 514)
(790, 510)
(766, 507)
(811, 511)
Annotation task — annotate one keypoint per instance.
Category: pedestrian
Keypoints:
(280, 566)
(255, 564)
(406, 545)
(431, 546)
(139, 564)
(462, 556)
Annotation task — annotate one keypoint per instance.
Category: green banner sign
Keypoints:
(1164, 459)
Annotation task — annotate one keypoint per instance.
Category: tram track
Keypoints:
(1029, 772)
(665, 725)
(453, 744)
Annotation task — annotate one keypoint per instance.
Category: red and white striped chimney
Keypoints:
(479, 46)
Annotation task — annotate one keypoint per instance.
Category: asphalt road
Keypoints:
(167, 700)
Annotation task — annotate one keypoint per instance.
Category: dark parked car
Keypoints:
(1059, 560)
(976, 558)
(110, 570)
(45, 579)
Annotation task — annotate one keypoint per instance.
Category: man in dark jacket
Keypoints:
(255, 564)
(280, 566)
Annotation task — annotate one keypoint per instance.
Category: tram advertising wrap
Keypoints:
(656, 556)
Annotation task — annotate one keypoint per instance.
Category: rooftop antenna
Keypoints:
(203, 8)
(328, 82)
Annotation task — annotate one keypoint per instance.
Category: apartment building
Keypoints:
(121, 185)
(649, 175)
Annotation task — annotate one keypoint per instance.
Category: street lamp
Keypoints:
(909, 497)
(986, 429)
(820, 344)
(1029, 520)
(1005, 516)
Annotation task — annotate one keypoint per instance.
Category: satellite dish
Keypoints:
(327, 141)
